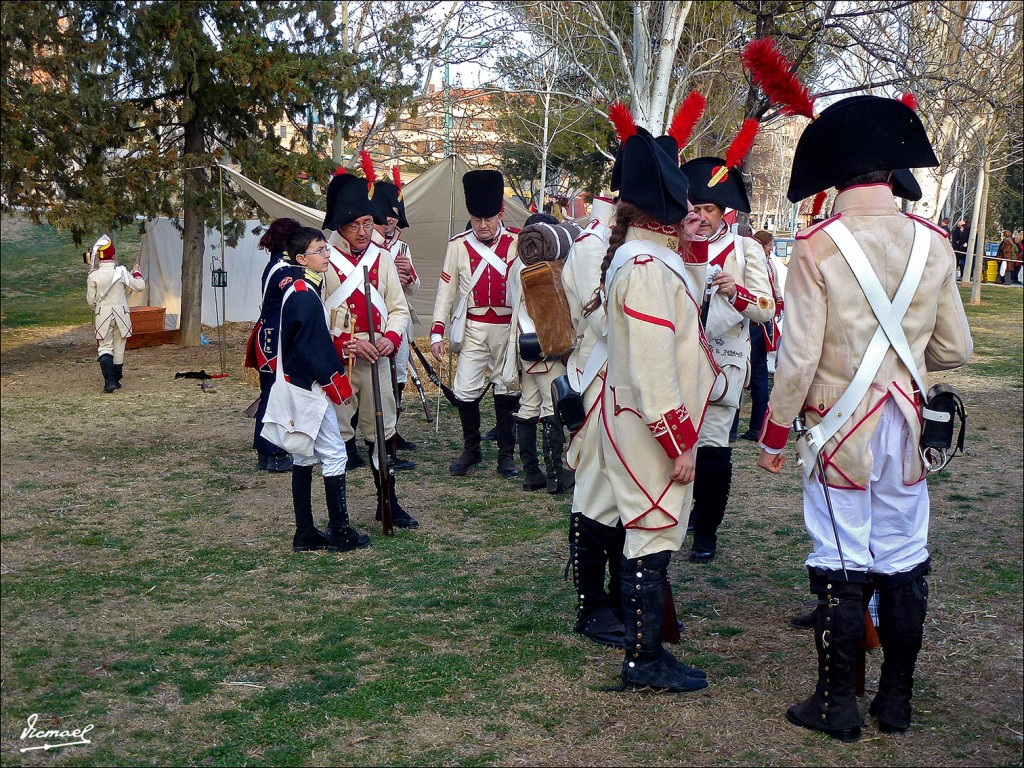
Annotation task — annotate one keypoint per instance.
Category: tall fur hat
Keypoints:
(485, 193)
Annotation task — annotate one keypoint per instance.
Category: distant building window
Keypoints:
(284, 131)
(476, 124)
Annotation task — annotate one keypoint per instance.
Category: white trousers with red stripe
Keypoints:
(883, 529)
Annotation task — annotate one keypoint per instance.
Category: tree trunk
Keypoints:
(979, 248)
(968, 275)
(193, 239)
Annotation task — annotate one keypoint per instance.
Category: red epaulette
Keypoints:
(513, 230)
(300, 285)
(934, 227)
(453, 238)
(803, 234)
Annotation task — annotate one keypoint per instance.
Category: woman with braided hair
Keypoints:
(659, 378)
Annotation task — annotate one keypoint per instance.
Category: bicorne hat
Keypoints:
(349, 198)
(485, 193)
(388, 198)
(650, 179)
(857, 136)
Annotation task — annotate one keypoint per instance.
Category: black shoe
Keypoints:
(281, 462)
(401, 519)
(402, 444)
(304, 541)
(346, 540)
(534, 482)
(701, 555)
(261, 460)
(355, 460)
(402, 464)
(492, 435)
(804, 620)
(507, 468)
(750, 435)
(466, 460)
(845, 735)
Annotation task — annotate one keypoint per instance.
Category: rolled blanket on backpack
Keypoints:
(546, 242)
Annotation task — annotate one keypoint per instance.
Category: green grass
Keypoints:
(996, 326)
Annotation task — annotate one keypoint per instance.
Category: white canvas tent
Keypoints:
(435, 207)
(160, 259)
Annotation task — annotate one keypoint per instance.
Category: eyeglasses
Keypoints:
(367, 227)
(322, 251)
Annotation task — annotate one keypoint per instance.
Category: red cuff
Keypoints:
(779, 306)
(136, 273)
(743, 298)
(338, 390)
(412, 274)
(394, 338)
(675, 432)
(339, 344)
(437, 328)
(774, 435)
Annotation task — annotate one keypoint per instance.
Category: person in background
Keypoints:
(944, 225)
(261, 349)
(107, 292)
(958, 239)
(1007, 255)
(764, 338)
(308, 357)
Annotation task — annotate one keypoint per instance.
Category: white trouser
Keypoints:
(592, 495)
(536, 398)
(883, 529)
(328, 449)
(482, 357)
(402, 360)
(361, 401)
(113, 344)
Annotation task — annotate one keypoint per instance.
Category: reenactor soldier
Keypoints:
(351, 213)
(871, 297)
(388, 196)
(733, 273)
(473, 307)
(108, 287)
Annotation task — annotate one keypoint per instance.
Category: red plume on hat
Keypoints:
(622, 119)
(909, 99)
(737, 151)
(774, 73)
(686, 118)
(368, 171)
(396, 174)
(339, 171)
(819, 203)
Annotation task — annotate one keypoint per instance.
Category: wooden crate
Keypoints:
(147, 319)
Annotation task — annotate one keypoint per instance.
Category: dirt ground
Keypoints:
(971, 669)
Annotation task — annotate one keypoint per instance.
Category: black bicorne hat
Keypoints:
(707, 185)
(348, 198)
(651, 179)
(857, 136)
(386, 196)
(485, 193)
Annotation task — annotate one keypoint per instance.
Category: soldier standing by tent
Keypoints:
(107, 294)
(351, 213)
(388, 197)
(738, 293)
(472, 297)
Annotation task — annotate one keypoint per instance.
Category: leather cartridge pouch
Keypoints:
(568, 404)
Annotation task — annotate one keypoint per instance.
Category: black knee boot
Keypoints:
(710, 497)
(589, 542)
(902, 606)
(354, 461)
(469, 416)
(399, 517)
(554, 444)
(526, 437)
(306, 536)
(647, 663)
(118, 374)
(838, 634)
(342, 537)
(400, 442)
(107, 369)
(504, 408)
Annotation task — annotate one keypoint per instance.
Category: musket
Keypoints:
(432, 375)
(800, 428)
(705, 305)
(410, 367)
(384, 466)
